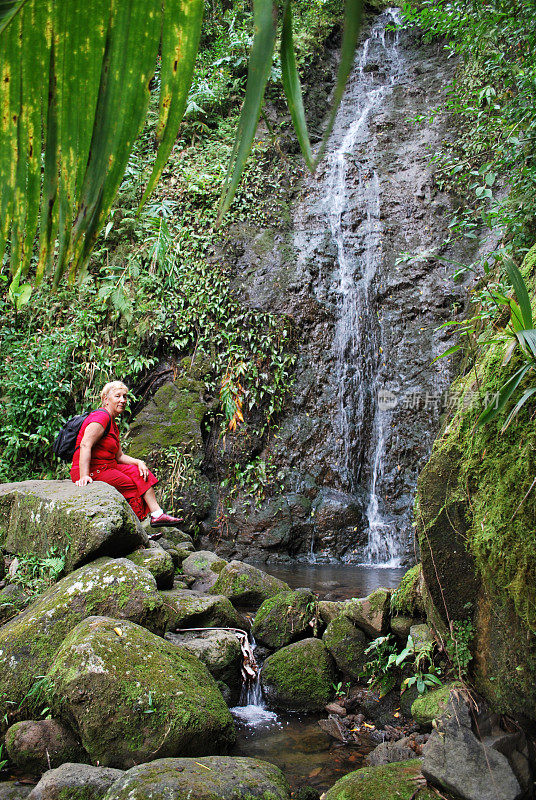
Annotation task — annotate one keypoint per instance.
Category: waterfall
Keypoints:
(358, 336)
(251, 708)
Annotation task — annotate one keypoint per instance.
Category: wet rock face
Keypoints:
(366, 402)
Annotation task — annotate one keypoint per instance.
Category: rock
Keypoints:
(347, 645)
(186, 608)
(220, 651)
(338, 520)
(35, 746)
(284, 618)
(378, 708)
(133, 696)
(12, 790)
(400, 780)
(178, 537)
(456, 761)
(84, 523)
(400, 626)
(28, 642)
(389, 752)
(205, 567)
(75, 782)
(328, 610)
(370, 614)
(407, 599)
(334, 728)
(159, 564)
(335, 708)
(13, 598)
(299, 677)
(211, 778)
(422, 636)
(427, 707)
(2, 567)
(172, 417)
(246, 585)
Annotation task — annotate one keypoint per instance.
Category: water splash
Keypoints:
(251, 709)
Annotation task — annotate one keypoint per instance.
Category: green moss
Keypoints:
(283, 618)
(390, 782)
(347, 645)
(299, 676)
(407, 598)
(431, 705)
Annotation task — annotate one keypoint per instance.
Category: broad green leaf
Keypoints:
(353, 11)
(520, 289)
(292, 86)
(8, 9)
(260, 62)
(180, 41)
(520, 403)
(504, 394)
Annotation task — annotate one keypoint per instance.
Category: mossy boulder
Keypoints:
(328, 610)
(13, 790)
(427, 707)
(204, 566)
(82, 522)
(13, 598)
(186, 608)
(284, 618)
(401, 626)
(246, 585)
(131, 696)
(347, 644)
(158, 562)
(370, 614)
(211, 778)
(220, 651)
(407, 599)
(28, 642)
(172, 417)
(73, 781)
(299, 677)
(35, 746)
(178, 537)
(389, 782)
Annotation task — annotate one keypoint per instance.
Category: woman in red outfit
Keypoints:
(99, 457)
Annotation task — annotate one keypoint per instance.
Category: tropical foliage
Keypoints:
(74, 91)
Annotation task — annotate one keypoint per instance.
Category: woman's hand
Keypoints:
(85, 479)
(143, 468)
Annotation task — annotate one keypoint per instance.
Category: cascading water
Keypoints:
(251, 709)
(358, 337)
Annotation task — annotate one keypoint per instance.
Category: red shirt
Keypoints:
(104, 451)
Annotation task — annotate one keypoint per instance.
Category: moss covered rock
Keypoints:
(35, 746)
(328, 610)
(347, 645)
(284, 618)
(158, 562)
(13, 598)
(372, 613)
(299, 677)
(82, 522)
(75, 782)
(172, 417)
(186, 608)
(132, 696)
(204, 566)
(407, 599)
(427, 707)
(29, 642)
(245, 585)
(401, 626)
(390, 782)
(212, 778)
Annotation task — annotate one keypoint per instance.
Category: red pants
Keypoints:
(127, 480)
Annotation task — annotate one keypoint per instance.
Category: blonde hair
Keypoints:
(110, 387)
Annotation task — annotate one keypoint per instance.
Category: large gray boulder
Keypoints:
(82, 522)
(299, 677)
(456, 761)
(13, 790)
(347, 644)
(35, 746)
(75, 782)
(186, 608)
(212, 778)
(132, 696)
(246, 585)
(220, 651)
(205, 567)
(28, 643)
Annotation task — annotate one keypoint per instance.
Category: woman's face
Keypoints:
(116, 401)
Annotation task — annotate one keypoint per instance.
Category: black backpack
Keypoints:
(65, 442)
